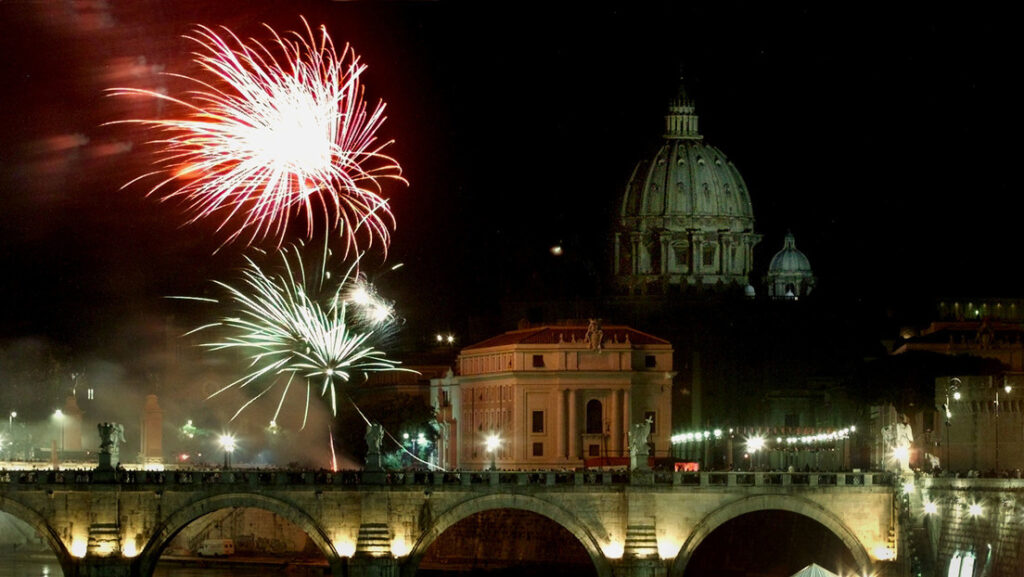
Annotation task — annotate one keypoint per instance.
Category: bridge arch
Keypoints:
(38, 522)
(755, 503)
(557, 514)
(179, 519)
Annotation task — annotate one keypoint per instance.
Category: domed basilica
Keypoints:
(683, 266)
(686, 221)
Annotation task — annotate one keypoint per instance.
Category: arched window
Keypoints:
(594, 417)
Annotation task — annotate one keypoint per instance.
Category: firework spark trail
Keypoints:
(334, 458)
(297, 328)
(272, 133)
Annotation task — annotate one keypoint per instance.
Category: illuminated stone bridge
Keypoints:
(376, 524)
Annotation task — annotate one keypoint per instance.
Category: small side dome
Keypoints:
(789, 259)
(789, 274)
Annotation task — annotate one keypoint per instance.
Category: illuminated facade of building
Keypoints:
(978, 418)
(552, 397)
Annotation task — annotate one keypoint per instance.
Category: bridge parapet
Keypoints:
(301, 480)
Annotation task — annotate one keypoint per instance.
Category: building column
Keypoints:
(559, 425)
(664, 253)
(626, 413)
(617, 254)
(613, 415)
(572, 434)
(635, 252)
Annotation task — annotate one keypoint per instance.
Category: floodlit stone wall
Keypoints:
(976, 522)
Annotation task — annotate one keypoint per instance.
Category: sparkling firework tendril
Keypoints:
(271, 133)
(305, 329)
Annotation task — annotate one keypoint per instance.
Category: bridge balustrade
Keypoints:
(283, 478)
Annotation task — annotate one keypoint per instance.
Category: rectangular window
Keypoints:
(595, 450)
(650, 362)
(649, 416)
(709, 256)
(538, 449)
(682, 255)
(538, 360)
(538, 421)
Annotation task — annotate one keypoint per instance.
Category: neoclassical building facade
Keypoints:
(553, 396)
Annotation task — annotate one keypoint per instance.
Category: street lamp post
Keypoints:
(227, 443)
(952, 389)
(1006, 388)
(59, 415)
(755, 444)
(10, 434)
(492, 444)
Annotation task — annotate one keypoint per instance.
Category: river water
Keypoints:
(10, 567)
(19, 567)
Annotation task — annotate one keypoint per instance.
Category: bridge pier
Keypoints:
(114, 566)
(369, 566)
(633, 567)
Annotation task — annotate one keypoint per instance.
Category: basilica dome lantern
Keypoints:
(686, 217)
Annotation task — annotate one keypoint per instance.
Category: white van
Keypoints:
(216, 548)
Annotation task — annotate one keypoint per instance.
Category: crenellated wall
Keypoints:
(383, 524)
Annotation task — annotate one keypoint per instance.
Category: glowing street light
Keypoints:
(491, 446)
(754, 445)
(10, 420)
(228, 444)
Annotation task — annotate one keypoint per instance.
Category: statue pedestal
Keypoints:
(373, 461)
(104, 472)
(639, 463)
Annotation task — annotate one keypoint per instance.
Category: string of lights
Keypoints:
(781, 442)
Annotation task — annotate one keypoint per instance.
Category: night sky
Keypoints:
(884, 137)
